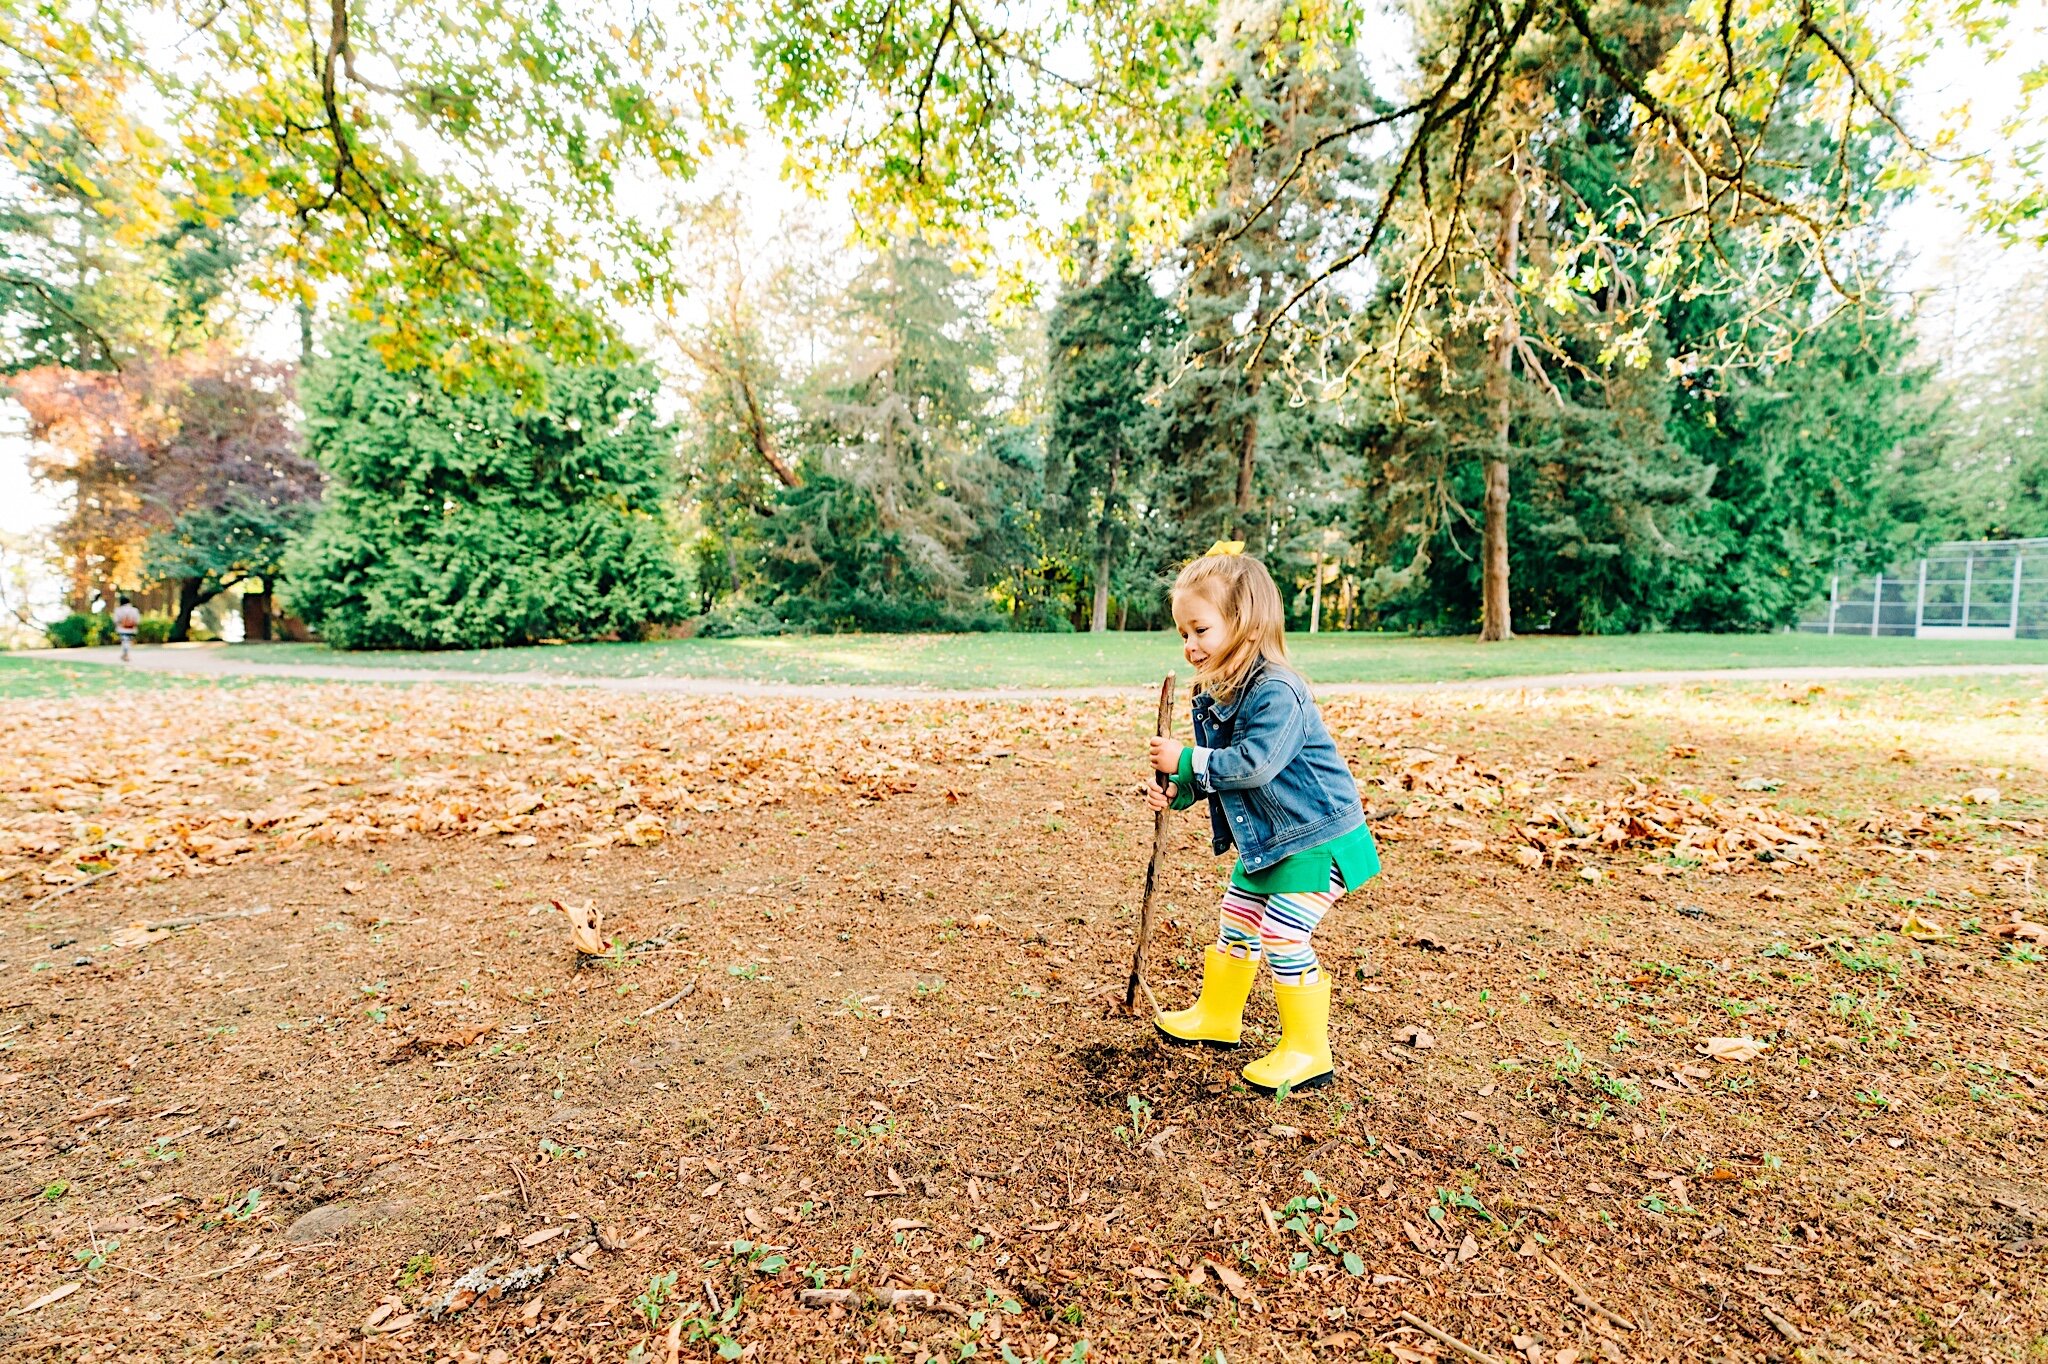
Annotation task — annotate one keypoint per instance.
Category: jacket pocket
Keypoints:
(1274, 819)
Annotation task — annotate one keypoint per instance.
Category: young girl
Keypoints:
(1279, 793)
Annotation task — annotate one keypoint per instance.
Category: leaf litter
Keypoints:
(400, 1041)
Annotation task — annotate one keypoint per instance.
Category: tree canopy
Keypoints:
(1565, 312)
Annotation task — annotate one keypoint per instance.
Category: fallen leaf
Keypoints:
(2025, 929)
(57, 1294)
(908, 1224)
(586, 928)
(644, 831)
(1464, 847)
(1921, 930)
(1232, 1281)
(354, 887)
(541, 1237)
(1981, 795)
(1589, 873)
(1529, 857)
(1416, 1036)
(1732, 1049)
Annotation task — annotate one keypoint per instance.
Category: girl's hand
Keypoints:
(1160, 798)
(1166, 755)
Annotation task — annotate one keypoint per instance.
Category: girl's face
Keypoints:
(1202, 632)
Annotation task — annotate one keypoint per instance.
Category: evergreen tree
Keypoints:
(1279, 211)
(1816, 457)
(901, 413)
(1105, 346)
(466, 520)
(1989, 479)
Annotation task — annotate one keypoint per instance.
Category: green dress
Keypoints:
(1354, 854)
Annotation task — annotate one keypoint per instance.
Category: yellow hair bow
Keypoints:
(1225, 547)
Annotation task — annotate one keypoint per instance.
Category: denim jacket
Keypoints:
(1275, 781)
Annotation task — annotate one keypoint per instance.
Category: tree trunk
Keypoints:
(1315, 608)
(1123, 615)
(188, 601)
(1242, 506)
(761, 435)
(256, 614)
(1098, 614)
(1495, 621)
(1105, 537)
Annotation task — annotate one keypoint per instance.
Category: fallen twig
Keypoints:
(519, 1175)
(1584, 1298)
(251, 1258)
(66, 890)
(167, 925)
(1784, 1328)
(1445, 1338)
(673, 1000)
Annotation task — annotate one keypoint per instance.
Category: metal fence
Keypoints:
(1969, 589)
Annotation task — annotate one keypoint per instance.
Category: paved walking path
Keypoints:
(221, 661)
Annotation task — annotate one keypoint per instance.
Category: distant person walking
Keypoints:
(127, 620)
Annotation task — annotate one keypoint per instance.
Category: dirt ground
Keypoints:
(299, 1060)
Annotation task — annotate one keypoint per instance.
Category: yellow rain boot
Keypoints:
(1303, 1056)
(1218, 1015)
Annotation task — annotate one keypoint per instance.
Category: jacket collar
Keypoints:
(1223, 710)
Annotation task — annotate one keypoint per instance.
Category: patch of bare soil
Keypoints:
(1680, 1026)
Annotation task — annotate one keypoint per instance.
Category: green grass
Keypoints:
(999, 660)
(33, 679)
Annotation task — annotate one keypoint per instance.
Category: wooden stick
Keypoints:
(673, 1000)
(1163, 779)
(75, 885)
(1447, 1339)
(1585, 1299)
(171, 925)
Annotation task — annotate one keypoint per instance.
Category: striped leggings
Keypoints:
(1277, 927)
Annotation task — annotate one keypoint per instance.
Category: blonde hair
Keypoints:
(1241, 589)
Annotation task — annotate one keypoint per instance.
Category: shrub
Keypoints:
(79, 629)
(155, 628)
(484, 517)
(738, 618)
